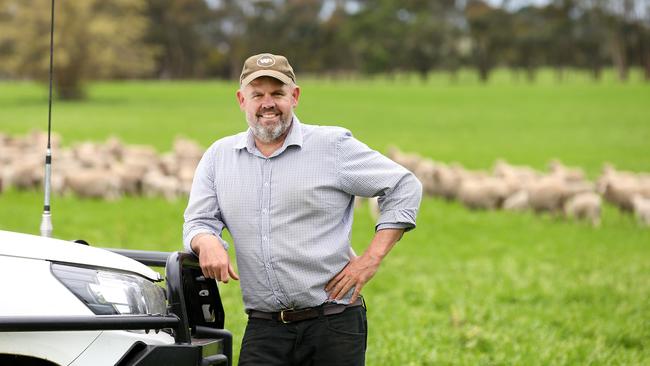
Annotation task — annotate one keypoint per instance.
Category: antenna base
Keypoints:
(46, 225)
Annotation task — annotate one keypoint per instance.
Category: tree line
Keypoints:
(180, 39)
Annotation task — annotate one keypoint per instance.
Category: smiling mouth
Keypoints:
(268, 115)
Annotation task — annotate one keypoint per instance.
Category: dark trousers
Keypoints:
(334, 340)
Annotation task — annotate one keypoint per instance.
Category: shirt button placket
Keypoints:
(265, 221)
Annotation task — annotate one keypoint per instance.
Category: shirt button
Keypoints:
(266, 184)
(264, 211)
(265, 238)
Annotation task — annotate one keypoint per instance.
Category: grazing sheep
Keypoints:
(619, 187)
(619, 190)
(549, 193)
(141, 153)
(408, 161)
(487, 193)
(65, 164)
(114, 147)
(26, 173)
(169, 163)
(584, 206)
(36, 141)
(517, 201)
(9, 154)
(185, 176)
(157, 184)
(130, 177)
(503, 169)
(92, 155)
(185, 149)
(94, 183)
(358, 202)
(373, 206)
(569, 174)
(641, 207)
(447, 181)
(424, 172)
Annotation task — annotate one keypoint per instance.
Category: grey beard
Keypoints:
(268, 135)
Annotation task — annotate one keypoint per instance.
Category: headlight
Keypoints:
(112, 293)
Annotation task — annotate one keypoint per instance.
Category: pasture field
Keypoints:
(464, 288)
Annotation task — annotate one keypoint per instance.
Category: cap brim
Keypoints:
(272, 73)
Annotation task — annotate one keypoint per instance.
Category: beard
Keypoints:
(269, 133)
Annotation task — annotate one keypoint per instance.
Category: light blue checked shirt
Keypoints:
(290, 215)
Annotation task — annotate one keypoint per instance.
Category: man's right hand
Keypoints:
(213, 258)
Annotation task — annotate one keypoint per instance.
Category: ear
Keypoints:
(240, 99)
(295, 93)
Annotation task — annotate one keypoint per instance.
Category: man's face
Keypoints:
(268, 104)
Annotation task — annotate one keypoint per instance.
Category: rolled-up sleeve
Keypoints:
(202, 214)
(367, 173)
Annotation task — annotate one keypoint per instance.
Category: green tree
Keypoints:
(181, 30)
(92, 39)
(489, 29)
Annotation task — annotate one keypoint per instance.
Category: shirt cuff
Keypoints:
(397, 219)
(395, 225)
(193, 234)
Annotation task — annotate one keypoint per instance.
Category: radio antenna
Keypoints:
(46, 221)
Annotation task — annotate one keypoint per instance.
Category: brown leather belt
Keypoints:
(291, 315)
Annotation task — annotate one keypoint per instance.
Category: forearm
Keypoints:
(383, 241)
(361, 269)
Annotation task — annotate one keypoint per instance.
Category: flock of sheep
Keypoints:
(106, 170)
(562, 191)
(112, 169)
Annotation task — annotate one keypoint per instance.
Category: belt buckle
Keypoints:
(282, 316)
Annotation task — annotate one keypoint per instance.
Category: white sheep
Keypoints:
(407, 160)
(569, 174)
(584, 206)
(620, 189)
(424, 172)
(447, 181)
(185, 176)
(517, 201)
(24, 173)
(373, 205)
(157, 184)
(92, 155)
(114, 147)
(503, 169)
(186, 149)
(641, 206)
(550, 192)
(93, 183)
(483, 193)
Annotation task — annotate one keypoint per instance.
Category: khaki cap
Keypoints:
(266, 64)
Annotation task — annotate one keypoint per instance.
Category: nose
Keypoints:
(267, 101)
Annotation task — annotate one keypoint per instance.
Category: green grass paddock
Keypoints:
(469, 288)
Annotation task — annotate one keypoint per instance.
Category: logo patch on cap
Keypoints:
(266, 61)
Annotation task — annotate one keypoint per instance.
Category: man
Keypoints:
(285, 192)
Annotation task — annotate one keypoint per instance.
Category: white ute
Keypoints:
(64, 303)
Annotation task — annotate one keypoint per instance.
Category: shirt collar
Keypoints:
(294, 138)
